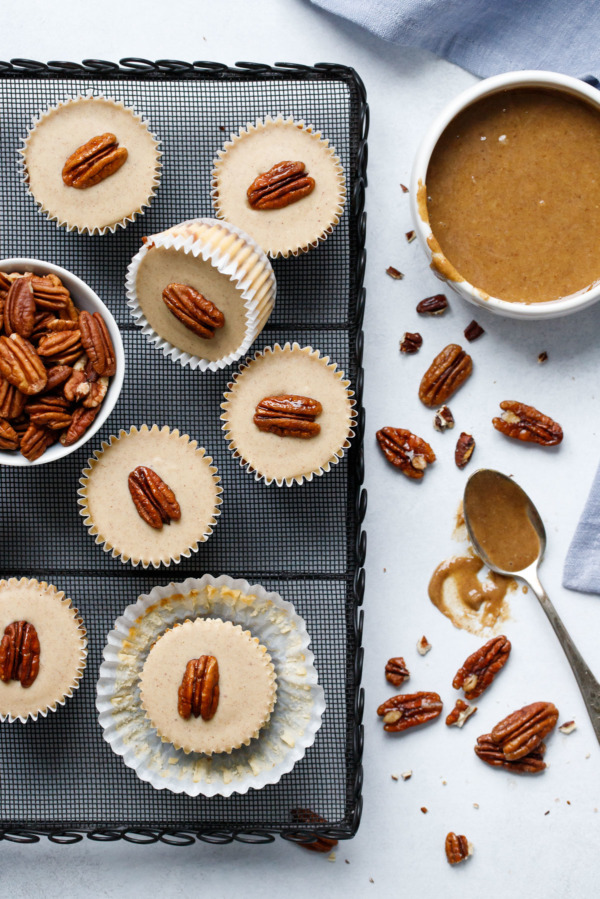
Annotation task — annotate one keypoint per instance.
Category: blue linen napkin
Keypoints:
(487, 37)
(582, 568)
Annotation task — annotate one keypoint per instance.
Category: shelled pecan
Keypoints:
(406, 451)
(94, 161)
(443, 420)
(12, 401)
(396, 671)
(35, 441)
(448, 371)
(306, 816)
(198, 694)
(411, 342)
(288, 416)
(9, 439)
(60, 347)
(490, 753)
(460, 713)
(80, 422)
(465, 446)
(521, 732)
(97, 343)
(49, 411)
(21, 365)
(522, 422)
(19, 308)
(473, 331)
(434, 305)
(409, 710)
(154, 500)
(50, 294)
(19, 653)
(193, 310)
(481, 667)
(57, 375)
(458, 848)
(284, 183)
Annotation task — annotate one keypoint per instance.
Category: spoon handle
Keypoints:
(589, 686)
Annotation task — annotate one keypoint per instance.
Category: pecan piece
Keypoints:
(288, 416)
(396, 671)
(409, 710)
(394, 273)
(411, 342)
(21, 365)
(61, 347)
(49, 412)
(481, 667)
(153, 499)
(443, 419)
(434, 305)
(284, 183)
(464, 449)
(458, 848)
(198, 694)
(448, 371)
(19, 308)
(193, 310)
(97, 343)
(80, 422)
(490, 753)
(521, 732)
(409, 453)
(94, 161)
(12, 401)
(522, 422)
(20, 653)
(85, 385)
(9, 439)
(473, 331)
(35, 441)
(307, 816)
(460, 713)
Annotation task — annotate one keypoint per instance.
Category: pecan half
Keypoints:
(49, 293)
(458, 848)
(61, 347)
(19, 308)
(94, 161)
(409, 710)
(464, 449)
(490, 753)
(97, 343)
(481, 667)
(411, 342)
(284, 183)
(460, 713)
(521, 732)
(409, 453)
(193, 310)
(21, 365)
(12, 401)
(9, 439)
(448, 371)
(49, 412)
(443, 419)
(307, 816)
(396, 671)
(153, 499)
(435, 305)
(288, 416)
(20, 653)
(57, 375)
(198, 694)
(35, 441)
(82, 419)
(522, 422)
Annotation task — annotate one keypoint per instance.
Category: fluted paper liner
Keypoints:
(272, 244)
(73, 677)
(294, 721)
(237, 257)
(205, 528)
(55, 216)
(255, 468)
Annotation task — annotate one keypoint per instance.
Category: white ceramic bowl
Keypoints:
(531, 79)
(84, 298)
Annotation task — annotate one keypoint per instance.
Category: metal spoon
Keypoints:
(479, 484)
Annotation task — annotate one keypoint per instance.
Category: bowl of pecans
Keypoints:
(61, 362)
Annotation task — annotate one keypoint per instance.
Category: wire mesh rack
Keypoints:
(58, 778)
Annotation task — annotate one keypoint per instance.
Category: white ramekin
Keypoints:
(84, 298)
(524, 79)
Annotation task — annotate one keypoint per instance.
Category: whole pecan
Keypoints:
(21, 365)
(97, 343)
(522, 422)
(19, 308)
(35, 441)
(521, 732)
(411, 342)
(490, 753)
(460, 713)
(154, 500)
(198, 694)
(61, 347)
(396, 671)
(409, 710)
(409, 453)
(458, 848)
(94, 161)
(448, 371)
(284, 183)
(307, 816)
(20, 653)
(433, 305)
(49, 412)
(482, 666)
(193, 310)
(49, 293)
(12, 401)
(288, 416)
(464, 449)
(80, 422)
(9, 439)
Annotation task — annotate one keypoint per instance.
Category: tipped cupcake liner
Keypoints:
(235, 255)
(296, 716)
(320, 469)
(55, 217)
(271, 246)
(55, 595)
(105, 542)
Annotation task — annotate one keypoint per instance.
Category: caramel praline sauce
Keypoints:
(470, 603)
(513, 195)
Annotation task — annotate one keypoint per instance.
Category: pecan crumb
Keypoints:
(410, 236)
(423, 646)
(394, 776)
(347, 861)
(546, 813)
(443, 419)
(411, 342)
(394, 273)
(543, 357)
(331, 857)
(568, 727)
(473, 331)
(404, 188)
(475, 805)
(406, 775)
(424, 809)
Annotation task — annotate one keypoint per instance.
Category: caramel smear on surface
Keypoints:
(473, 604)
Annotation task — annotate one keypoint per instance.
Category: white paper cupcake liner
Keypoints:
(231, 439)
(235, 255)
(53, 705)
(63, 223)
(294, 722)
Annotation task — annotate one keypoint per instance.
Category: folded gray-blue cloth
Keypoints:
(487, 36)
(582, 565)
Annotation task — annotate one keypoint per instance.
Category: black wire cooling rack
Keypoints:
(58, 777)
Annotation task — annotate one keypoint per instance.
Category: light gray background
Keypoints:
(519, 849)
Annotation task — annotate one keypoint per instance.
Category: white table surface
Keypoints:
(534, 836)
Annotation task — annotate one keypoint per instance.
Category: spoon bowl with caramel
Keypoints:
(508, 534)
